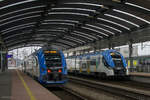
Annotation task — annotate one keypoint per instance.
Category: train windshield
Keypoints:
(117, 59)
(53, 59)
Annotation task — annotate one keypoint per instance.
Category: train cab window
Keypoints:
(117, 59)
(53, 59)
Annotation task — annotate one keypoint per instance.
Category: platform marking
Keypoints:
(26, 86)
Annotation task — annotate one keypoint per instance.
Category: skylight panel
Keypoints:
(19, 15)
(20, 19)
(89, 10)
(21, 10)
(100, 28)
(85, 34)
(122, 19)
(17, 29)
(17, 26)
(114, 23)
(11, 36)
(68, 13)
(51, 30)
(87, 4)
(82, 36)
(96, 31)
(60, 23)
(126, 13)
(134, 5)
(72, 38)
(18, 3)
(55, 20)
(111, 28)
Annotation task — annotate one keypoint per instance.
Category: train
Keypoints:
(48, 66)
(104, 64)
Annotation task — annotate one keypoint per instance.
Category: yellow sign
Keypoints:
(50, 51)
(135, 63)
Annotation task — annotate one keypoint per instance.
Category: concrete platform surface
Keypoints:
(140, 74)
(15, 85)
(5, 85)
(140, 77)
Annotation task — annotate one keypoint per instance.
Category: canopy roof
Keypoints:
(69, 23)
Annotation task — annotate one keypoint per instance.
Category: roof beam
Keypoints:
(49, 5)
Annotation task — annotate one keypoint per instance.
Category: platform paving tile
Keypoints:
(139, 74)
(18, 91)
(5, 85)
(38, 91)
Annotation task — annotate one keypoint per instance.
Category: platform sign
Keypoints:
(50, 51)
(9, 56)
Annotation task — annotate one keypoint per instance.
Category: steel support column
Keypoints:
(130, 55)
(1, 59)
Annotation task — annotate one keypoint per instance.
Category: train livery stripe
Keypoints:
(26, 86)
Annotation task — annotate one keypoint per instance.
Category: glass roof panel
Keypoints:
(126, 13)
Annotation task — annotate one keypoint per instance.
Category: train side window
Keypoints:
(93, 62)
(84, 65)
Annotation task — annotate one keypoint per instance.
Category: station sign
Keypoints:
(50, 51)
(9, 56)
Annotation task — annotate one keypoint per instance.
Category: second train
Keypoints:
(108, 63)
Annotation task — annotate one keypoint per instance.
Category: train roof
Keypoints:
(94, 53)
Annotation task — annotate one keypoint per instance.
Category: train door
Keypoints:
(37, 67)
(93, 64)
(88, 60)
(73, 65)
(68, 60)
(80, 64)
(77, 64)
(84, 64)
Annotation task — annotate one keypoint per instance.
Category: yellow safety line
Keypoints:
(26, 86)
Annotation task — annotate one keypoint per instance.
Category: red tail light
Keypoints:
(59, 70)
(49, 71)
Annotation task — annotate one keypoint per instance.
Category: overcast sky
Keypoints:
(22, 52)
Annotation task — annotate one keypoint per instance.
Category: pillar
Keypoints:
(130, 55)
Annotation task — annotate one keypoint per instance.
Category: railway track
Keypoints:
(66, 94)
(120, 90)
(121, 82)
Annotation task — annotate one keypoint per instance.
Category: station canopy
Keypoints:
(69, 23)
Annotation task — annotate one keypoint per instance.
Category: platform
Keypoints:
(15, 85)
(140, 77)
(142, 74)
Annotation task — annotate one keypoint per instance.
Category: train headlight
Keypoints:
(59, 70)
(49, 71)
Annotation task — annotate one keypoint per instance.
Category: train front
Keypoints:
(116, 62)
(56, 67)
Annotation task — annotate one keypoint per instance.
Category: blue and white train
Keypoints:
(102, 64)
(48, 66)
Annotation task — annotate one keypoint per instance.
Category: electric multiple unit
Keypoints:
(47, 66)
(103, 64)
